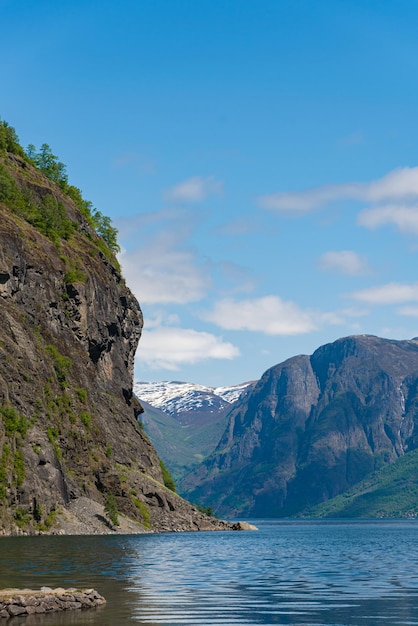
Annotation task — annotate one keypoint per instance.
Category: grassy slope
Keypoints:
(391, 491)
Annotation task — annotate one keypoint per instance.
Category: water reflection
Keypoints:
(311, 573)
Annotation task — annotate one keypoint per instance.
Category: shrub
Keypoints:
(74, 275)
(104, 228)
(13, 421)
(111, 509)
(81, 394)
(4, 464)
(143, 509)
(37, 511)
(9, 141)
(86, 419)
(22, 517)
(52, 434)
(62, 364)
(10, 193)
(19, 468)
(207, 510)
(167, 478)
(52, 219)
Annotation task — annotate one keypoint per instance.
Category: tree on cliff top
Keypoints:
(49, 164)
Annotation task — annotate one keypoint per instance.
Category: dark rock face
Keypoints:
(313, 427)
(68, 426)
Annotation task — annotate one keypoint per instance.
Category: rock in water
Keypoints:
(21, 602)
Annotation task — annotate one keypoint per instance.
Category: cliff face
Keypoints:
(69, 331)
(313, 427)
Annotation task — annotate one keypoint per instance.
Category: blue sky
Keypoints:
(259, 158)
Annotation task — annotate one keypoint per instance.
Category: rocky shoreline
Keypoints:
(21, 602)
(84, 516)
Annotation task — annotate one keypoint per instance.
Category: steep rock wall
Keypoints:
(68, 417)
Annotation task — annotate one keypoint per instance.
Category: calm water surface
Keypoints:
(334, 573)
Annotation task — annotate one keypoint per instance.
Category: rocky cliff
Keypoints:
(313, 427)
(69, 330)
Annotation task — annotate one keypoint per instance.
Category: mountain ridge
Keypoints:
(312, 427)
(176, 397)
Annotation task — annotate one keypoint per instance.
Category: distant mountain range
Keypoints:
(185, 420)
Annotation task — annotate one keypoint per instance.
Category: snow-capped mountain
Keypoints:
(180, 399)
(185, 420)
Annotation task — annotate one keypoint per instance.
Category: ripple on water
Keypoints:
(290, 573)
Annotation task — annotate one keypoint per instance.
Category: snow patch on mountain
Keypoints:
(231, 394)
(174, 397)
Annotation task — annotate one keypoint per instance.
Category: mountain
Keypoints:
(189, 401)
(185, 420)
(312, 428)
(73, 457)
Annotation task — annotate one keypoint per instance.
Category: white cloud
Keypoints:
(139, 163)
(353, 312)
(123, 159)
(170, 348)
(391, 293)
(159, 264)
(354, 139)
(339, 317)
(161, 272)
(304, 201)
(239, 226)
(411, 311)
(240, 279)
(194, 189)
(405, 218)
(335, 318)
(269, 315)
(145, 225)
(161, 318)
(345, 261)
(400, 184)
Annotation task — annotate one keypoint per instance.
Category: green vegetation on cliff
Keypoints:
(168, 480)
(12, 467)
(49, 215)
(9, 141)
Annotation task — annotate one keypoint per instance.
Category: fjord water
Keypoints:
(329, 573)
